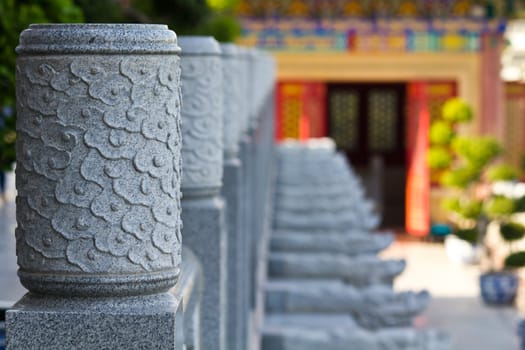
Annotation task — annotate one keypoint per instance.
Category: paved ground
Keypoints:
(455, 307)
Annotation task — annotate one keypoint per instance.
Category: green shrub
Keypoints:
(515, 260)
(511, 231)
(470, 235)
(478, 151)
(502, 172)
(519, 205)
(499, 206)
(441, 133)
(15, 16)
(438, 158)
(460, 177)
(451, 204)
(456, 110)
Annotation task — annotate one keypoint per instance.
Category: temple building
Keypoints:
(373, 74)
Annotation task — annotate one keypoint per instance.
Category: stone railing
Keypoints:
(144, 175)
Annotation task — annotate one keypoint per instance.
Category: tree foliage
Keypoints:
(17, 15)
(185, 17)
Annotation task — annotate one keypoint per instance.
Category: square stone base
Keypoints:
(205, 233)
(48, 322)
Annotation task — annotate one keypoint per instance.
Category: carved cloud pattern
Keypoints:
(98, 172)
(202, 149)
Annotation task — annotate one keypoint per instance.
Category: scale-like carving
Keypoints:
(98, 173)
(202, 150)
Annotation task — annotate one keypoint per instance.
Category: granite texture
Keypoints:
(205, 233)
(358, 271)
(328, 289)
(203, 153)
(328, 335)
(202, 113)
(244, 66)
(38, 322)
(90, 38)
(98, 154)
(231, 192)
(372, 307)
(338, 220)
(232, 104)
(146, 322)
(251, 94)
(189, 289)
(350, 244)
(98, 178)
(246, 252)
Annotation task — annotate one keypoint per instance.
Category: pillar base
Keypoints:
(205, 233)
(48, 322)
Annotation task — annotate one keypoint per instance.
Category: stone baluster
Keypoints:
(231, 190)
(261, 187)
(98, 174)
(245, 157)
(202, 153)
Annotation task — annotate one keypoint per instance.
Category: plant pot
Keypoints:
(521, 333)
(498, 288)
(462, 252)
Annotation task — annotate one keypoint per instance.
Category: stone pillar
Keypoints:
(231, 190)
(248, 160)
(262, 188)
(98, 180)
(202, 153)
(245, 255)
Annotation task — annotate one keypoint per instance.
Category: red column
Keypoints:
(418, 178)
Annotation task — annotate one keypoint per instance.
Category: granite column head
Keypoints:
(202, 113)
(246, 84)
(233, 99)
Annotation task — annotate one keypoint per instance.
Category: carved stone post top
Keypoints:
(230, 50)
(252, 87)
(199, 45)
(202, 113)
(97, 38)
(98, 159)
(262, 70)
(233, 101)
(246, 83)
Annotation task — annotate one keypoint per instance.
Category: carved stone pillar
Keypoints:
(231, 190)
(202, 153)
(98, 180)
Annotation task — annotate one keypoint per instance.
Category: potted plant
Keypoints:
(499, 284)
(455, 168)
(469, 174)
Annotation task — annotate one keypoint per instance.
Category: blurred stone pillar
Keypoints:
(98, 180)
(244, 144)
(231, 190)
(202, 153)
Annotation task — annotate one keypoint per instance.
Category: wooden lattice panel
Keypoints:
(344, 121)
(382, 131)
